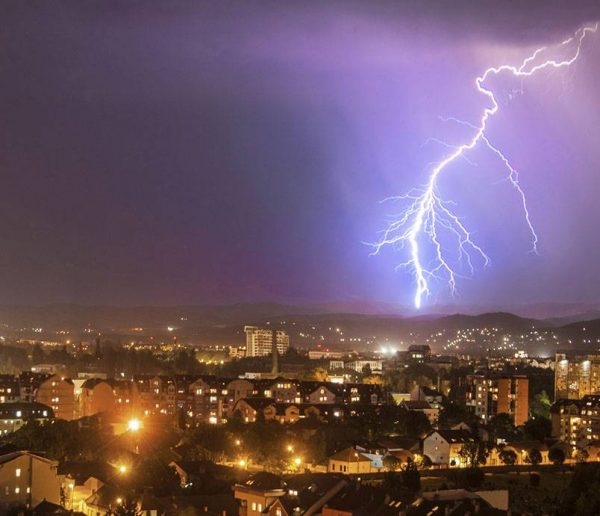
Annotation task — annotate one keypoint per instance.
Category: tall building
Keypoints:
(259, 341)
(489, 395)
(577, 422)
(576, 376)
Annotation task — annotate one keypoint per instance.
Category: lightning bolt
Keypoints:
(426, 215)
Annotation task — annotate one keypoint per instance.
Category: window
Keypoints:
(18, 472)
(253, 506)
(260, 507)
(17, 490)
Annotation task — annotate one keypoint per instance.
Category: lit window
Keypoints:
(18, 472)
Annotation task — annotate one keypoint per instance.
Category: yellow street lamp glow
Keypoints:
(297, 461)
(242, 463)
(238, 442)
(119, 501)
(134, 425)
(122, 469)
(290, 448)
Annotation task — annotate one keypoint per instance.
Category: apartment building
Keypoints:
(576, 376)
(259, 341)
(489, 395)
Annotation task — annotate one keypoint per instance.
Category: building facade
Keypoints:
(489, 395)
(259, 341)
(576, 376)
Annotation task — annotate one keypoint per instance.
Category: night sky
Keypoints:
(184, 152)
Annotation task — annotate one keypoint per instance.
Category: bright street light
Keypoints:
(134, 425)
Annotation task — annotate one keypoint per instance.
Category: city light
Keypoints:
(122, 469)
(134, 425)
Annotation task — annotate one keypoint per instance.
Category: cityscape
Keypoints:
(205, 308)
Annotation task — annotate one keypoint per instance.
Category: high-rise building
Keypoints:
(489, 395)
(259, 341)
(576, 376)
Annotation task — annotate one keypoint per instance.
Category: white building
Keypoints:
(27, 479)
(375, 366)
(259, 341)
(444, 446)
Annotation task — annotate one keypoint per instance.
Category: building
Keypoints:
(423, 406)
(27, 479)
(9, 388)
(96, 396)
(259, 341)
(489, 395)
(576, 376)
(14, 415)
(258, 493)
(354, 461)
(431, 396)
(58, 393)
(443, 447)
(576, 422)
(418, 353)
(363, 365)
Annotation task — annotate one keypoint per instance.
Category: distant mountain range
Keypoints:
(223, 323)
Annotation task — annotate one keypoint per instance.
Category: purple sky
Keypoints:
(190, 152)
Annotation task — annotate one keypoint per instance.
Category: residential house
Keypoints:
(14, 415)
(443, 447)
(59, 394)
(26, 479)
(353, 461)
(256, 494)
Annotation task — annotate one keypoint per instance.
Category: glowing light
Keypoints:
(427, 216)
(122, 469)
(134, 425)
(297, 461)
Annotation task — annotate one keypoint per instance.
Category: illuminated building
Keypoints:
(259, 341)
(576, 376)
(576, 422)
(489, 395)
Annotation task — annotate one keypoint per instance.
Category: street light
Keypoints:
(297, 461)
(290, 448)
(133, 425)
(242, 463)
(122, 469)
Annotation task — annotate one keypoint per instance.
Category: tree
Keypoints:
(390, 462)
(37, 355)
(508, 457)
(411, 477)
(534, 457)
(537, 429)
(540, 406)
(502, 427)
(581, 455)
(474, 453)
(556, 456)
(126, 508)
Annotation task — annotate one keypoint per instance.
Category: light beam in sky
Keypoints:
(428, 219)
